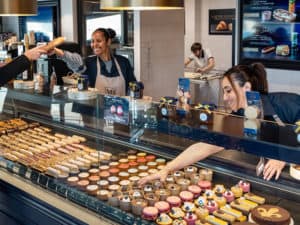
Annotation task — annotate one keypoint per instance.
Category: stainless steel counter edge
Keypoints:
(54, 200)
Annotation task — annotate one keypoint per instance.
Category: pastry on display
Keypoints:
(183, 183)
(176, 213)
(245, 185)
(188, 207)
(113, 198)
(92, 189)
(270, 215)
(229, 196)
(224, 216)
(178, 175)
(190, 170)
(103, 195)
(212, 206)
(245, 209)
(125, 203)
(204, 184)
(206, 174)
(179, 221)
(151, 199)
(219, 188)
(174, 201)
(237, 191)
(202, 213)
(72, 181)
(164, 219)
(138, 205)
(244, 201)
(215, 220)
(236, 213)
(150, 213)
(186, 196)
(190, 218)
(200, 201)
(162, 206)
(174, 189)
(195, 189)
(220, 200)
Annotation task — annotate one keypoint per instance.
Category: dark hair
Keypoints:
(108, 33)
(197, 46)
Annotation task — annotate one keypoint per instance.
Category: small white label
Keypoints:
(203, 117)
(28, 174)
(164, 111)
(16, 169)
(3, 163)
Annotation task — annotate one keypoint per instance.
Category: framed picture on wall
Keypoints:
(220, 21)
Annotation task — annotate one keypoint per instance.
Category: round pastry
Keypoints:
(83, 175)
(134, 180)
(104, 162)
(136, 194)
(188, 207)
(190, 218)
(178, 175)
(104, 168)
(123, 161)
(164, 219)
(113, 198)
(229, 196)
(133, 164)
(141, 154)
(123, 166)
(162, 206)
(141, 161)
(103, 184)
(72, 181)
(244, 185)
(150, 213)
(125, 185)
(206, 174)
(200, 201)
(209, 194)
(220, 200)
(151, 198)
(170, 179)
(94, 179)
(157, 184)
(179, 221)
(176, 213)
(82, 184)
(183, 183)
(237, 191)
(113, 180)
(114, 171)
(103, 195)
(160, 167)
(122, 155)
(204, 184)
(150, 158)
(125, 203)
(143, 168)
(123, 175)
(195, 189)
(194, 178)
(152, 165)
(162, 194)
(114, 158)
(189, 171)
(201, 213)
(114, 187)
(174, 201)
(132, 152)
(113, 165)
(148, 188)
(138, 205)
(104, 174)
(94, 172)
(160, 161)
(174, 189)
(143, 174)
(270, 215)
(132, 158)
(152, 171)
(212, 206)
(186, 196)
(92, 189)
(219, 188)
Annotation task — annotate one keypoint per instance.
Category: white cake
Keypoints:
(74, 94)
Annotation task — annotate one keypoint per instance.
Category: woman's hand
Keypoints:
(34, 53)
(161, 175)
(56, 51)
(273, 167)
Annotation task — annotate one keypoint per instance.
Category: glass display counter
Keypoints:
(69, 159)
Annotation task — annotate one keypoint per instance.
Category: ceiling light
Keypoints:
(18, 7)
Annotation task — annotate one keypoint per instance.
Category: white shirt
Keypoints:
(201, 62)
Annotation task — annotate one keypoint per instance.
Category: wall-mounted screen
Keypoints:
(269, 32)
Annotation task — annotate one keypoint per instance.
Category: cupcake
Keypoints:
(114, 187)
(157, 184)
(200, 201)
(133, 164)
(178, 175)
(162, 206)
(113, 198)
(160, 161)
(113, 164)
(188, 207)
(136, 194)
(174, 189)
(152, 171)
(141, 155)
(212, 206)
(122, 155)
(133, 171)
(186, 196)
(103, 195)
(83, 175)
(195, 189)
(125, 185)
(132, 158)
(229, 196)
(183, 183)
(151, 198)
(123, 161)
(72, 181)
(220, 200)
(150, 213)
(204, 184)
(206, 174)
(237, 191)
(82, 184)
(174, 201)
(114, 171)
(176, 213)
(143, 174)
(189, 171)
(152, 165)
(141, 161)
(94, 179)
(134, 180)
(194, 178)
(92, 189)
(125, 203)
(138, 205)
(103, 184)
(143, 168)
(244, 185)
(123, 175)
(164, 219)
(209, 194)
(219, 188)
(170, 179)
(123, 167)
(162, 194)
(201, 213)
(104, 174)
(179, 221)
(148, 188)
(132, 152)
(190, 218)
(94, 172)
(113, 180)
(150, 158)
(104, 168)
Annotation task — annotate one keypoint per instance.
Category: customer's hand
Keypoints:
(161, 175)
(273, 167)
(56, 51)
(35, 53)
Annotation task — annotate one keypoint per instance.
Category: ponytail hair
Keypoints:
(108, 33)
(258, 78)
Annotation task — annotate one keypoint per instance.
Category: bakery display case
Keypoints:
(69, 162)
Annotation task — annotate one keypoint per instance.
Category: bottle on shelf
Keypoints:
(53, 79)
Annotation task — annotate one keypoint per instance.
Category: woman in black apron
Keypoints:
(110, 74)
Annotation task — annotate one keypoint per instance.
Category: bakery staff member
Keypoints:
(203, 59)
(110, 74)
(19, 64)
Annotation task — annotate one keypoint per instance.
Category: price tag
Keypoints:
(61, 189)
(3, 92)
(3, 163)
(16, 169)
(22, 170)
(28, 174)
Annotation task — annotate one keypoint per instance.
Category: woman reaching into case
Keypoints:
(235, 83)
(110, 74)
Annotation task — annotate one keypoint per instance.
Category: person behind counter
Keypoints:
(110, 74)
(203, 59)
(235, 83)
(19, 64)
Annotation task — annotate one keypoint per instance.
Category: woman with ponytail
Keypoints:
(110, 74)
